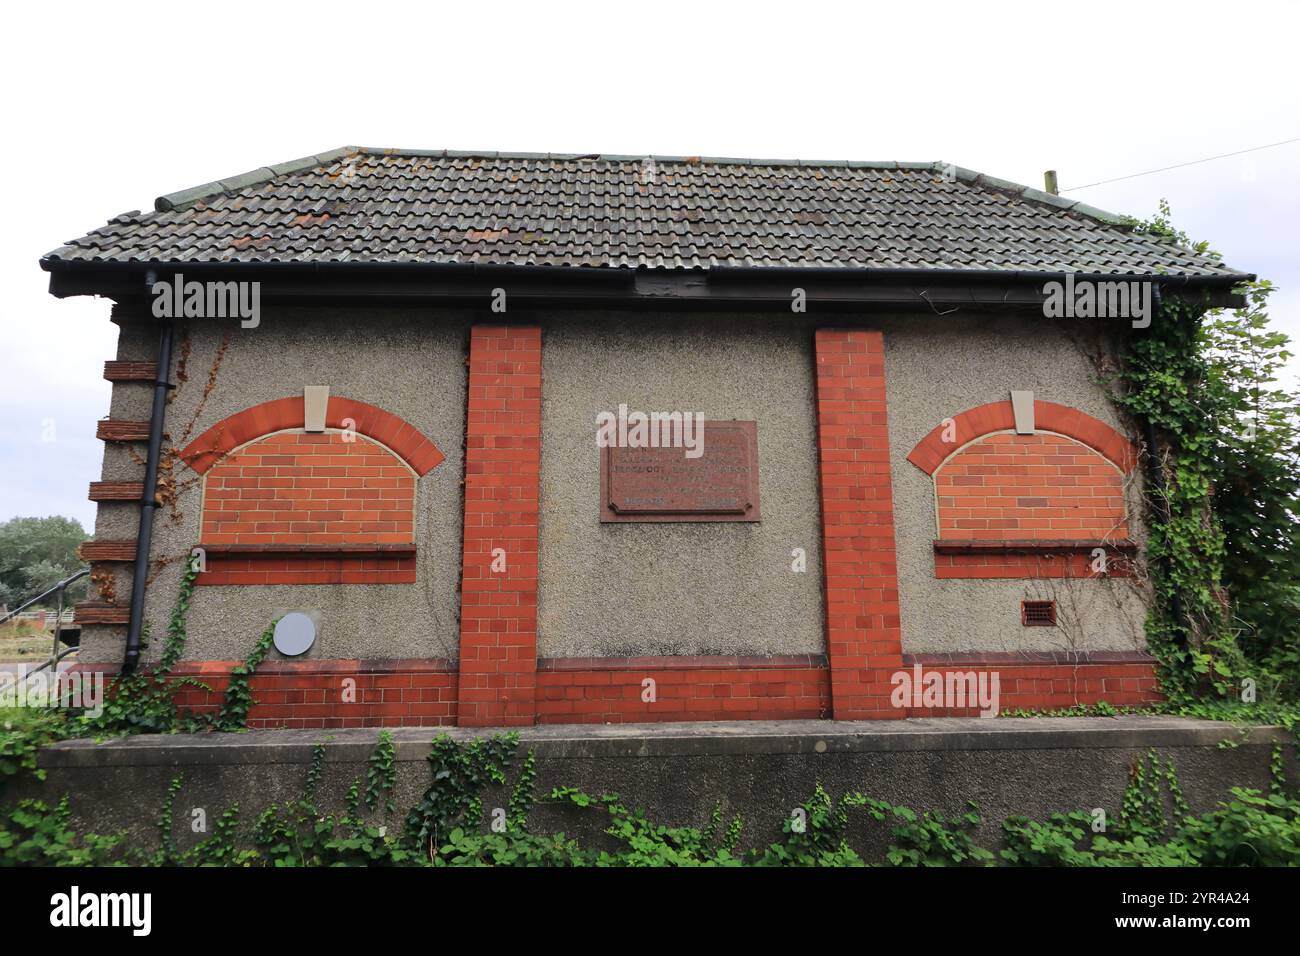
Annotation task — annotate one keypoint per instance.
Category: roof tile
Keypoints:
(447, 207)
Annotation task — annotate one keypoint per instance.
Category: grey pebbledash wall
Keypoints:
(633, 589)
(409, 362)
(621, 589)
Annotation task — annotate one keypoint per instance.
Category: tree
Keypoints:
(36, 553)
(1257, 491)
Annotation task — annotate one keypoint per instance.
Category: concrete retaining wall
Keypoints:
(761, 770)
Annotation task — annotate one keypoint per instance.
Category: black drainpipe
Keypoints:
(148, 500)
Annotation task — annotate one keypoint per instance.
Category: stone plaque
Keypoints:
(662, 484)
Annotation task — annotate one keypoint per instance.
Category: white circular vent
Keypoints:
(294, 634)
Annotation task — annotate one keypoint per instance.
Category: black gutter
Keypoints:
(148, 500)
(615, 274)
(583, 287)
(991, 275)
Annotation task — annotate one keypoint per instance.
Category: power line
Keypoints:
(1208, 159)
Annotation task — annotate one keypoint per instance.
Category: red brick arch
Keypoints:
(404, 439)
(931, 451)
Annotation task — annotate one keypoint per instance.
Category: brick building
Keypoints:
(381, 411)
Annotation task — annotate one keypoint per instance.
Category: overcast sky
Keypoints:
(108, 105)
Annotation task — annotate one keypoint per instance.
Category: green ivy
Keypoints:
(453, 798)
(522, 796)
(32, 834)
(381, 773)
(143, 702)
(23, 731)
(1224, 520)
(238, 698)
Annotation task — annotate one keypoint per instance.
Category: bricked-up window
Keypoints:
(1027, 506)
(1029, 487)
(298, 508)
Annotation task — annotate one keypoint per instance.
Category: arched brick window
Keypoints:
(1036, 487)
(1036, 503)
(288, 506)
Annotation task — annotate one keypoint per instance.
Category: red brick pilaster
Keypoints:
(863, 635)
(498, 611)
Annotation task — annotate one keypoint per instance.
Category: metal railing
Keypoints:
(42, 617)
(59, 589)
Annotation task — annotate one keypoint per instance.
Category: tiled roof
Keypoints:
(624, 212)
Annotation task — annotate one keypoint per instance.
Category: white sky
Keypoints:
(107, 105)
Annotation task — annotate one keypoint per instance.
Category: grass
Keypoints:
(23, 642)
